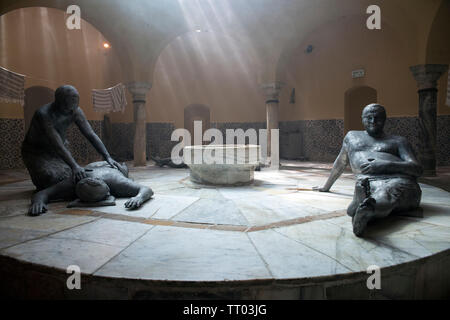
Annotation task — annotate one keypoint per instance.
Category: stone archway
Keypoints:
(197, 112)
(35, 97)
(356, 99)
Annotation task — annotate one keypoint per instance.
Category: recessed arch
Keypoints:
(35, 97)
(197, 112)
(88, 15)
(438, 46)
(356, 99)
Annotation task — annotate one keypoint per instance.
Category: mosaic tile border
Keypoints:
(193, 225)
(320, 140)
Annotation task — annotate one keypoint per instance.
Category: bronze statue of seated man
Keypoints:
(385, 167)
(44, 149)
(102, 180)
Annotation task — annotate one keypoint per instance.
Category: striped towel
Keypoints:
(109, 100)
(12, 87)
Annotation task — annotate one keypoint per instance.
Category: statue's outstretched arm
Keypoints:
(338, 167)
(86, 130)
(55, 139)
(122, 187)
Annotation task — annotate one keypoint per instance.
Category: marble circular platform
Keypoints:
(272, 239)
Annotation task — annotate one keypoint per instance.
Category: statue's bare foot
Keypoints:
(134, 203)
(362, 193)
(37, 208)
(362, 216)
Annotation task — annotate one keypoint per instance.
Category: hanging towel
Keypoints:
(109, 100)
(12, 87)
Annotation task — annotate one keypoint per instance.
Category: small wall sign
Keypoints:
(360, 73)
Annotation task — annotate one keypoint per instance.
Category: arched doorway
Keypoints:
(35, 97)
(355, 100)
(196, 112)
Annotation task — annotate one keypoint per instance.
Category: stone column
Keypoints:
(271, 92)
(427, 76)
(139, 91)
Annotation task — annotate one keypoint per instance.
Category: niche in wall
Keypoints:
(356, 99)
(197, 112)
(35, 97)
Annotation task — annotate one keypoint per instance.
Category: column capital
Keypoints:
(138, 89)
(427, 75)
(271, 90)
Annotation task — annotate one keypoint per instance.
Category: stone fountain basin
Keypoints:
(222, 164)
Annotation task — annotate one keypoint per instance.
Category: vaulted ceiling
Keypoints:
(270, 29)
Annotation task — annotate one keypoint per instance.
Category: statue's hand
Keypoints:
(78, 174)
(133, 203)
(37, 208)
(320, 189)
(113, 163)
(374, 166)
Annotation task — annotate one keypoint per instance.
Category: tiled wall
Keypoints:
(12, 133)
(321, 140)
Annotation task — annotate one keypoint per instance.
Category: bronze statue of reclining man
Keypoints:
(385, 167)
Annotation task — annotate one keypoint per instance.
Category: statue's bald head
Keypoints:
(67, 98)
(374, 108)
(92, 190)
(373, 118)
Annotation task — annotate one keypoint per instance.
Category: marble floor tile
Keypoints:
(246, 192)
(159, 207)
(169, 206)
(436, 214)
(14, 207)
(61, 253)
(111, 232)
(287, 258)
(48, 222)
(10, 236)
(421, 242)
(203, 193)
(14, 194)
(264, 210)
(213, 211)
(190, 255)
(342, 245)
(320, 200)
(382, 227)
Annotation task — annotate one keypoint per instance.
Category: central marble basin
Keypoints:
(231, 164)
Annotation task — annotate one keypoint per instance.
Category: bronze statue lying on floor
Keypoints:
(102, 181)
(385, 167)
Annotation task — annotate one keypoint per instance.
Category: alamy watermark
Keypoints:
(74, 20)
(374, 21)
(374, 281)
(74, 280)
(230, 151)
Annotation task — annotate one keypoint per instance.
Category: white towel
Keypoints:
(12, 87)
(109, 100)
